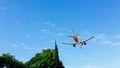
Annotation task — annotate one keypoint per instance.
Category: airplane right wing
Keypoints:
(88, 39)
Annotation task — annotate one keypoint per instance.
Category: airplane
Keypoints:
(77, 42)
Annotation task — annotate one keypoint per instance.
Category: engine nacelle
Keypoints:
(74, 45)
(84, 43)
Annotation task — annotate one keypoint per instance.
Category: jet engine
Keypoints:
(84, 43)
(74, 45)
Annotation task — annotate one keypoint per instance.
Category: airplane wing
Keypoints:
(88, 39)
(70, 43)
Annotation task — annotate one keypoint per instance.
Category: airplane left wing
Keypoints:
(88, 39)
(70, 43)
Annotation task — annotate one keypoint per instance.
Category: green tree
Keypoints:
(9, 61)
(41, 60)
(48, 58)
(58, 63)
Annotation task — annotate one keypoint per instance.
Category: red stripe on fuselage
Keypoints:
(75, 39)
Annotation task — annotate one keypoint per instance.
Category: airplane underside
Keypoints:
(80, 43)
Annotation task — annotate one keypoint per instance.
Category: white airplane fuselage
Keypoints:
(77, 41)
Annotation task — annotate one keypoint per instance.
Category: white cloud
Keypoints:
(45, 31)
(60, 34)
(103, 39)
(47, 48)
(33, 49)
(29, 48)
(15, 45)
(50, 24)
(18, 45)
(68, 66)
(92, 66)
(89, 66)
(36, 48)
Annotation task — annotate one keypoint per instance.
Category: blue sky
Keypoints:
(27, 27)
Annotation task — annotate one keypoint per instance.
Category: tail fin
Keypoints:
(74, 33)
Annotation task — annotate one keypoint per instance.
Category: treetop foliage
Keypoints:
(48, 58)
